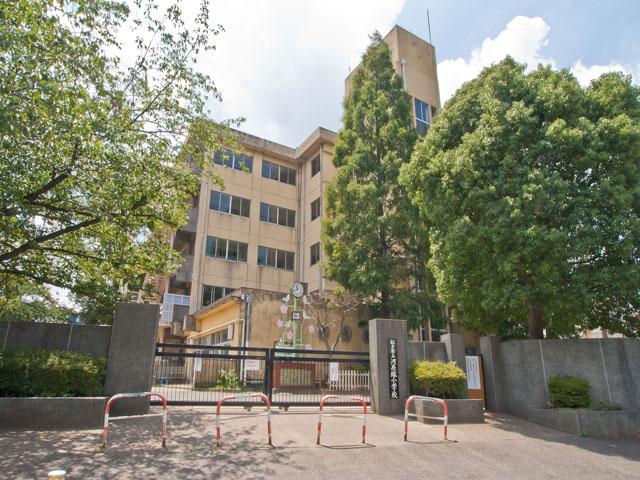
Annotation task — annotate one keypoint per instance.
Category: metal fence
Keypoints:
(204, 374)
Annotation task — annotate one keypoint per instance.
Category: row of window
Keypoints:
(278, 172)
(234, 205)
(226, 249)
(273, 257)
(278, 215)
(225, 203)
(237, 252)
(242, 162)
(231, 159)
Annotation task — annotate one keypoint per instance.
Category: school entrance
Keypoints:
(203, 374)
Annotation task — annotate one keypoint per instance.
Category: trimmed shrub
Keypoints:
(569, 392)
(42, 373)
(438, 379)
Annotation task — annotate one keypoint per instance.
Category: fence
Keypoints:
(350, 380)
(204, 374)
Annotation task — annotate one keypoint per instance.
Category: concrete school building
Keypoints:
(262, 232)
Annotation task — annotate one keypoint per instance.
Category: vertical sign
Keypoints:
(394, 383)
(334, 372)
(473, 372)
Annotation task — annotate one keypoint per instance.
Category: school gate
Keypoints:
(203, 374)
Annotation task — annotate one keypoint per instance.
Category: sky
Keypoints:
(281, 64)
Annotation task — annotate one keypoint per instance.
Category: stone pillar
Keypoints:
(131, 354)
(454, 344)
(385, 334)
(492, 378)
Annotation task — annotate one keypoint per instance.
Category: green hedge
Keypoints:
(569, 392)
(438, 379)
(42, 373)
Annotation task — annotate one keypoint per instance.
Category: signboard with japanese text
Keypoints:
(394, 379)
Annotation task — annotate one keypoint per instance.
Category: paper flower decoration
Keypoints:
(289, 335)
(284, 309)
(312, 328)
(280, 323)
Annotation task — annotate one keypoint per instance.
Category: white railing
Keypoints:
(350, 380)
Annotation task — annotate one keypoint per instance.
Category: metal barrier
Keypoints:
(343, 397)
(105, 434)
(244, 396)
(445, 409)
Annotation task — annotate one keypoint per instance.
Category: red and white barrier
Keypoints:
(105, 433)
(445, 410)
(245, 395)
(342, 397)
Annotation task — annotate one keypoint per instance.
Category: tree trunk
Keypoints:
(536, 323)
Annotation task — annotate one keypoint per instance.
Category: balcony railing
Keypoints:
(171, 299)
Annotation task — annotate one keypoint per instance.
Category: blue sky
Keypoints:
(595, 31)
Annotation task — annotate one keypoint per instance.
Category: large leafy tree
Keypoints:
(371, 238)
(95, 164)
(532, 188)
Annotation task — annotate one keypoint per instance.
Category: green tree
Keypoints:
(531, 186)
(22, 301)
(370, 235)
(98, 155)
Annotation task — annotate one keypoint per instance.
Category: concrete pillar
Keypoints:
(131, 354)
(454, 345)
(385, 334)
(489, 347)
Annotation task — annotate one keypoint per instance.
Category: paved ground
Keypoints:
(503, 448)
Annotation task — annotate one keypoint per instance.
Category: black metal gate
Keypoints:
(203, 374)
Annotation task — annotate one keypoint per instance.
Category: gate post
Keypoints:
(268, 373)
(388, 365)
(131, 354)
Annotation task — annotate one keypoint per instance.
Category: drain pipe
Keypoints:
(245, 332)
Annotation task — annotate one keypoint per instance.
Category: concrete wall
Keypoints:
(518, 371)
(89, 339)
(426, 351)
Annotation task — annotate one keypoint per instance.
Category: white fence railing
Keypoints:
(350, 380)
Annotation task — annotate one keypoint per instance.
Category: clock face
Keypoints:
(297, 289)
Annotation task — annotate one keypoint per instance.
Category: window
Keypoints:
(226, 249)
(211, 293)
(225, 203)
(237, 161)
(315, 253)
(279, 215)
(315, 209)
(272, 257)
(315, 166)
(422, 116)
(278, 172)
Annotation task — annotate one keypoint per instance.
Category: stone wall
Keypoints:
(517, 372)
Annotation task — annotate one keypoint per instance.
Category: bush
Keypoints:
(227, 379)
(438, 379)
(569, 392)
(42, 373)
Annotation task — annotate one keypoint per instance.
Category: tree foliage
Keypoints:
(373, 244)
(95, 165)
(531, 186)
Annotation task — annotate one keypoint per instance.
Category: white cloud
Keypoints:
(586, 73)
(523, 38)
(281, 64)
